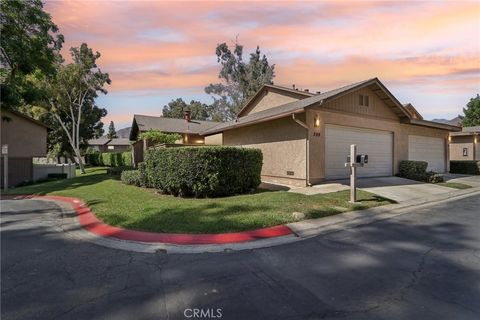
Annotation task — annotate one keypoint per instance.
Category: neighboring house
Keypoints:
(26, 138)
(305, 138)
(109, 145)
(465, 145)
(188, 129)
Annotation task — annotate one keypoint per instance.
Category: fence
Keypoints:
(41, 171)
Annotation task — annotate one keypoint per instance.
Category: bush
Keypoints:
(202, 171)
(433, 177)
(57, 176)
(465, 167)
(109, 159)
(132, 177)
(116, 171)
(414, 170)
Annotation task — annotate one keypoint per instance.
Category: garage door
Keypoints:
(377, 144)
(427, 149)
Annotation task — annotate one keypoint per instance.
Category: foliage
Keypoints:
(203, 171)
(414, 170)
(112, 133)
(109, 159)
(472, 113)
(240, 80)
(198, 110)
(158, 137)
(132, 177)
(465, 167)
(70, 96)
(140, 209)
(433, 177)
(30, 44)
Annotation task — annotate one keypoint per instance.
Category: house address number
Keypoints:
(316, 134)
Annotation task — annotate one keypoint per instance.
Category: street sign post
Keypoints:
(5, 166)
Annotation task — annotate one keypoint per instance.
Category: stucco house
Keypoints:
(109, 145)
(465, 145)
(305, 137)
(188, 128)
(26, 138)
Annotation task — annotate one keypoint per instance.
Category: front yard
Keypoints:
(137, 208)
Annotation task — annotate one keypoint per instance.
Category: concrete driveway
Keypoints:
(473, 181)
(419, 265)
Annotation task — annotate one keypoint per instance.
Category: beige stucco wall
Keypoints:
(458, 143)
(215, 139)
(379, 117)
(283, 144)
(24, 138)
(269, 100)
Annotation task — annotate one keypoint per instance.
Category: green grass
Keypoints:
(454, 185)
(143, 209)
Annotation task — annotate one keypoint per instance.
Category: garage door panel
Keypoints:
(428, 149)
(377, 144)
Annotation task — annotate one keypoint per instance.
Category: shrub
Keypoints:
(116, 171)
(433, 177)
(414, 170)
(109, 159)
(465, 167)
(132, 177)
(202, 171)
(57, 176)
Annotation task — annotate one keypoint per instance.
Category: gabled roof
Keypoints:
(300, 94)
(143, 123)
(25, 117)
(98, 142)
(373, 84)
(413, 112)
(119, 142)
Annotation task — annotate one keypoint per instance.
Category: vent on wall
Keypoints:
(363, 100)
(290, 173)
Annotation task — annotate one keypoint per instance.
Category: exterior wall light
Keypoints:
(316, 122)
(449, 138)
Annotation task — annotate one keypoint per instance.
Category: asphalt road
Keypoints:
(424, 265)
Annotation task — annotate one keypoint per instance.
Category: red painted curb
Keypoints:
(89, 221)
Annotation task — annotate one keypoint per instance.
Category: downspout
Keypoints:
(307, 147)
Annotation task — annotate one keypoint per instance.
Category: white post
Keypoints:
(353, 173)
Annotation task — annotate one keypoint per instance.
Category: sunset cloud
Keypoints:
(420, 49)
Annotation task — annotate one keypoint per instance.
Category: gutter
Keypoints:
(307, 147)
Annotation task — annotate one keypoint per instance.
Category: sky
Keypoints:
(426, 53)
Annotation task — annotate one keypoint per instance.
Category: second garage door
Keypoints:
(427, 149)
(377, 144)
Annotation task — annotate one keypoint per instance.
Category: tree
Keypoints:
(156, 136)
(111, 131)
(30, 43)
(240, 80)
(70, 96)
(472, 113)
(176, 109)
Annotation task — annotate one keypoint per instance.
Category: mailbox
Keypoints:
(361, 159)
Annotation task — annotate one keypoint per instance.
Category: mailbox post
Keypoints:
(354, 161)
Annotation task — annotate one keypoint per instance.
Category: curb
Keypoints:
(90, 222)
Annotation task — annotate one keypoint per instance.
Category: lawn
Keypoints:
(454, 185)
(143, 209)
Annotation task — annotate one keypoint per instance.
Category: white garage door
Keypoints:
(377, 144)
(427, 149)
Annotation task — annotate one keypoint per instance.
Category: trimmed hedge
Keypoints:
(414, 170)
(465, 167)
(132, 177)
(202, 171)
(417, 170)
(114, 159)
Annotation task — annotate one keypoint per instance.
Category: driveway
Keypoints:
(421, 265)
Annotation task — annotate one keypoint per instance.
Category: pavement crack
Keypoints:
(418, 271)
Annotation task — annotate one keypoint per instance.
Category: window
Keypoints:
(363, 100)
(111, 147)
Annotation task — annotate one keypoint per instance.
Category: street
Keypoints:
(421, 265)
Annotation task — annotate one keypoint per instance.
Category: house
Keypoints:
(109, 145)
(465, 145)
(305, 138)
(26, 138)
(188, 129)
